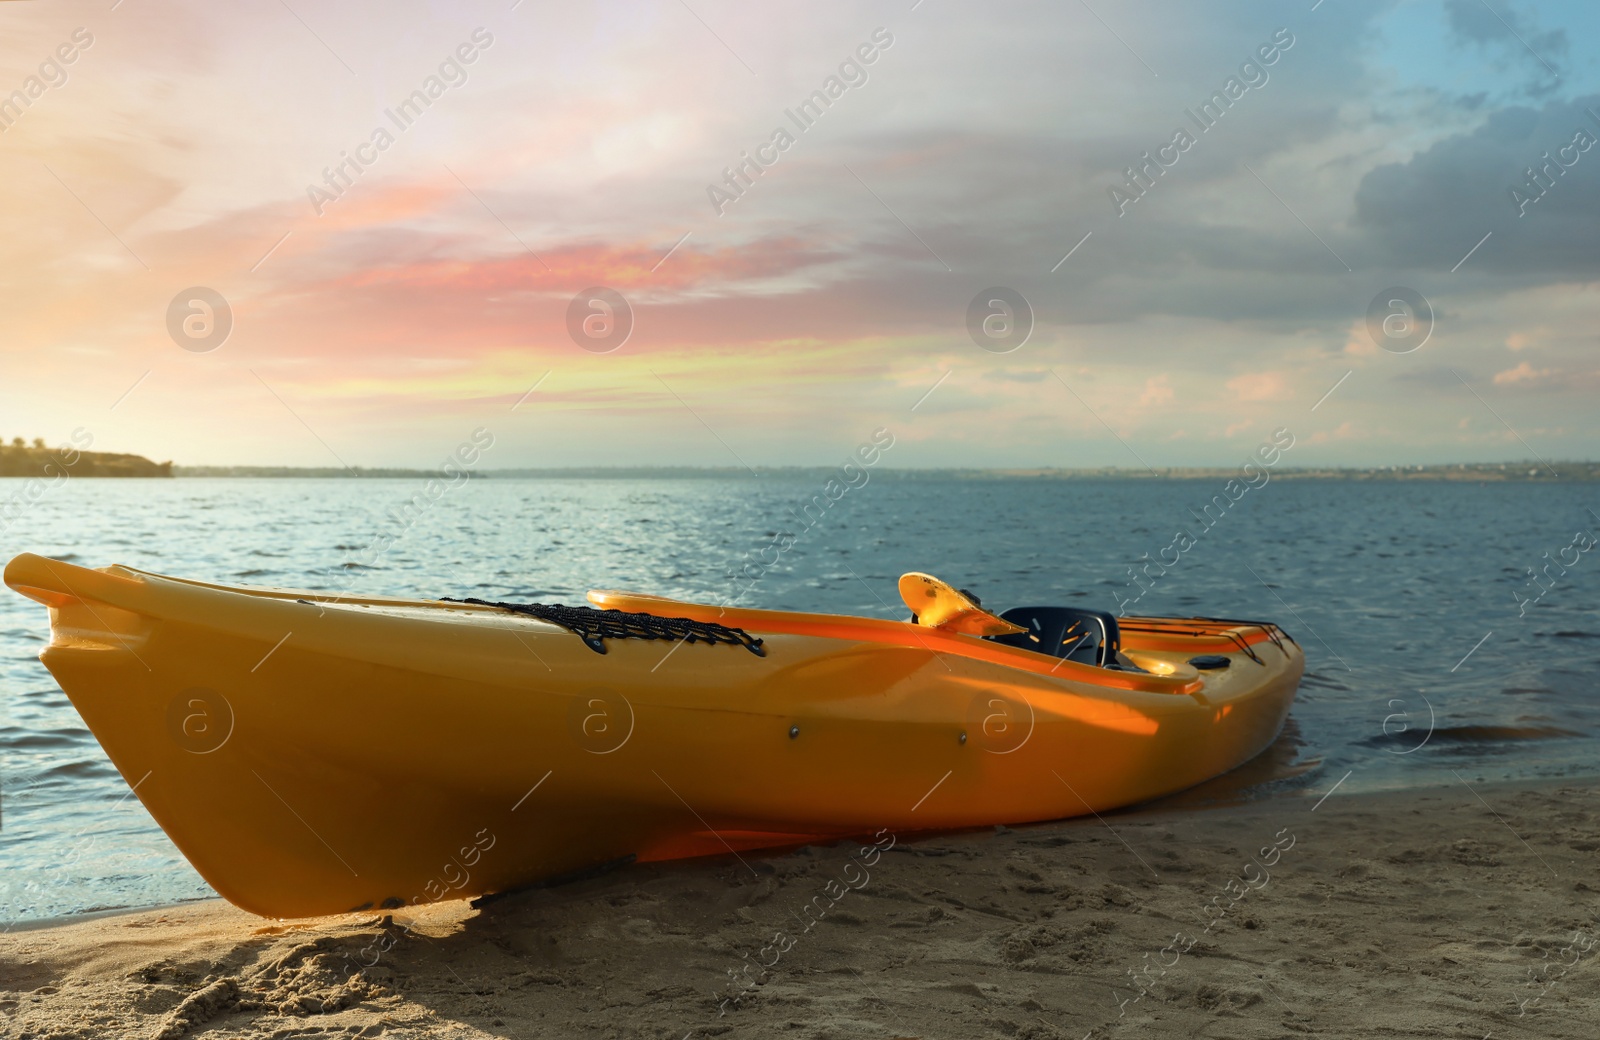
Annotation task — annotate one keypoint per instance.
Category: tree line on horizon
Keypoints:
(20, 458)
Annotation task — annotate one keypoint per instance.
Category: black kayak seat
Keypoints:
(1084, 636)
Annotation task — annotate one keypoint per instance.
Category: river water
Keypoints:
(1422, 660)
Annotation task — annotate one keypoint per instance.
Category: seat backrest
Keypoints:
(1085, 636)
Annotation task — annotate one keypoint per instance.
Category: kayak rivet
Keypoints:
(794, 731)
(963, 738)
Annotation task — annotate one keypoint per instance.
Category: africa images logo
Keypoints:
(1252, 75)
(339, 178)
(737, 178)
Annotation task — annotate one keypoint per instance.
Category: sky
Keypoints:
(1174, 284)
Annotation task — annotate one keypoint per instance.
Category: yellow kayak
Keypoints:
(314, 754)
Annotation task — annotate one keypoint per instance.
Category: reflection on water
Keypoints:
(1388, 587)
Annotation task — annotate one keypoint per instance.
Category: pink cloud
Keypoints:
(1157, 391)
(1523, 373)
(1259, 386)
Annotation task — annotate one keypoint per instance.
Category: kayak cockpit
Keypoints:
(1086, 636)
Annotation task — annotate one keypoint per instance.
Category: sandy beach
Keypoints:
(1447, 912)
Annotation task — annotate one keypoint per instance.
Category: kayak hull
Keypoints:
(313, 755)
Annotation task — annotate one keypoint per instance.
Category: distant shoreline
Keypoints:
(1524, 472)
(65, 463)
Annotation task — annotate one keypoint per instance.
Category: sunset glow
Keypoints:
(399, 205)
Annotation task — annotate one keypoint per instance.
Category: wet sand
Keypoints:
(1450, 912)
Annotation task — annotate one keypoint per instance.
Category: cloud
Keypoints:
(1017, 375)
(1344, 431)
(1523, 373)
(1358, 341)
(1542, 53)
(1259, 386)
(1429, 210)
(1157, 391)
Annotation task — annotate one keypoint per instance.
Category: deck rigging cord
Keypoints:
(594, 626)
